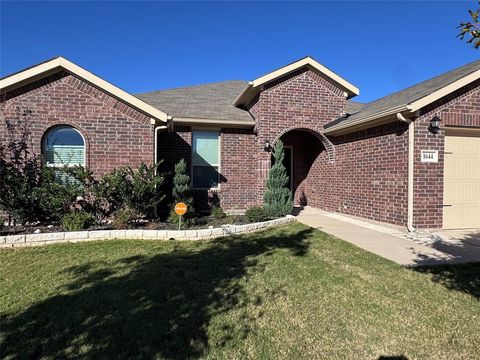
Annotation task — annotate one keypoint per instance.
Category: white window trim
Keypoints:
(44, 148)
(218, 131)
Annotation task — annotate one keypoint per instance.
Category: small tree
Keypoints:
(278, 198)
(181, 190)
(181, 184)
(471, 29)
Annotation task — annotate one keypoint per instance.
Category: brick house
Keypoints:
(411, 158)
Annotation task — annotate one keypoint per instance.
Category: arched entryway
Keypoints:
(307, 158)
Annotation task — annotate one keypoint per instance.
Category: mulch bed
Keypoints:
(203, 222)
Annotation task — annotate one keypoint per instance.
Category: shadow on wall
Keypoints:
(462, 269)
(161, 308)
(172, 147)
(306, 150)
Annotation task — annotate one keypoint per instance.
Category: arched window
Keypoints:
(64, 146)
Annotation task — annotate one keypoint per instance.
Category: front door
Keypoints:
(288, 163)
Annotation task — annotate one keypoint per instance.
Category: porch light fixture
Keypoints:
(434, 124)
(267, 146)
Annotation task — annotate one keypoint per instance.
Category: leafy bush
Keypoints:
(278, 198)
(218, 213)
(77, 220)
(124, 217)
(112, 190)
(31, 192)
(138, 189)
(144, 190)
(256, 214)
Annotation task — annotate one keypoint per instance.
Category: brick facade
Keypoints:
(363, 173)
(115, 134)
(237, 166)
(300, 100)
(460, 109)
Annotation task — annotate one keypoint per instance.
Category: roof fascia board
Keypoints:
(244, 91)
(308, 61)
(363, 126)
(54, 64)
(375, 116)
(223, 123)
(420, 103)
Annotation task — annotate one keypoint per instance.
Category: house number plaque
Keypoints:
(429, 156)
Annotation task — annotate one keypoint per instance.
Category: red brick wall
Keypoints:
(362, 174)
(115, 133)
(370, 174)
(237, 166)
(461, 108)
(367, 179)
(306, 148)
(302, 99)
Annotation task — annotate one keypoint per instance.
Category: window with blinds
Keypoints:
(205, 159)
(64, 146)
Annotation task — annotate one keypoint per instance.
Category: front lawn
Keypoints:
(287, 293)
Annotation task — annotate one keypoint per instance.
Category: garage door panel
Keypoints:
(462, 181)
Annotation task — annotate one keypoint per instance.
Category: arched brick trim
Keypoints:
(329, 147)
(82, 132)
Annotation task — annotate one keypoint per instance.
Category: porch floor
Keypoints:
(394, 243)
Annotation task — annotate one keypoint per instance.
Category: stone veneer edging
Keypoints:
(77, 236)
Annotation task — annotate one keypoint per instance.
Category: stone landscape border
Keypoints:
(77, 236)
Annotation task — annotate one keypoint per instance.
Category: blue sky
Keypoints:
(380, 47)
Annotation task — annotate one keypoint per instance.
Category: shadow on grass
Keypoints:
(160, 309)
(460, 271)
(461, 277)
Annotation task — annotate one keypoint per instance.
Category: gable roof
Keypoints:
(410, 99)
(202, 103)
(253, 87)
(59, 63)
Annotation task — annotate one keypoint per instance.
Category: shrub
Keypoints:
(93, 197)
(145, 189)
(138, 189)
(124, 217)
(218, 213)
(77, 220)
(277, 197)
(181, 192)
(256, 214)
(112, 190)
(31, 192)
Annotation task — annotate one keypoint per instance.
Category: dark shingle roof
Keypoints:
(353, 107)
(210, 101)
(408, 95)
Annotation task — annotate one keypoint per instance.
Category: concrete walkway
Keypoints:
(394, 243)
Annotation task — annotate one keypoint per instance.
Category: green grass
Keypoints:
(288, 293)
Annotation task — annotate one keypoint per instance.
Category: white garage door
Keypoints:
(462, 179)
